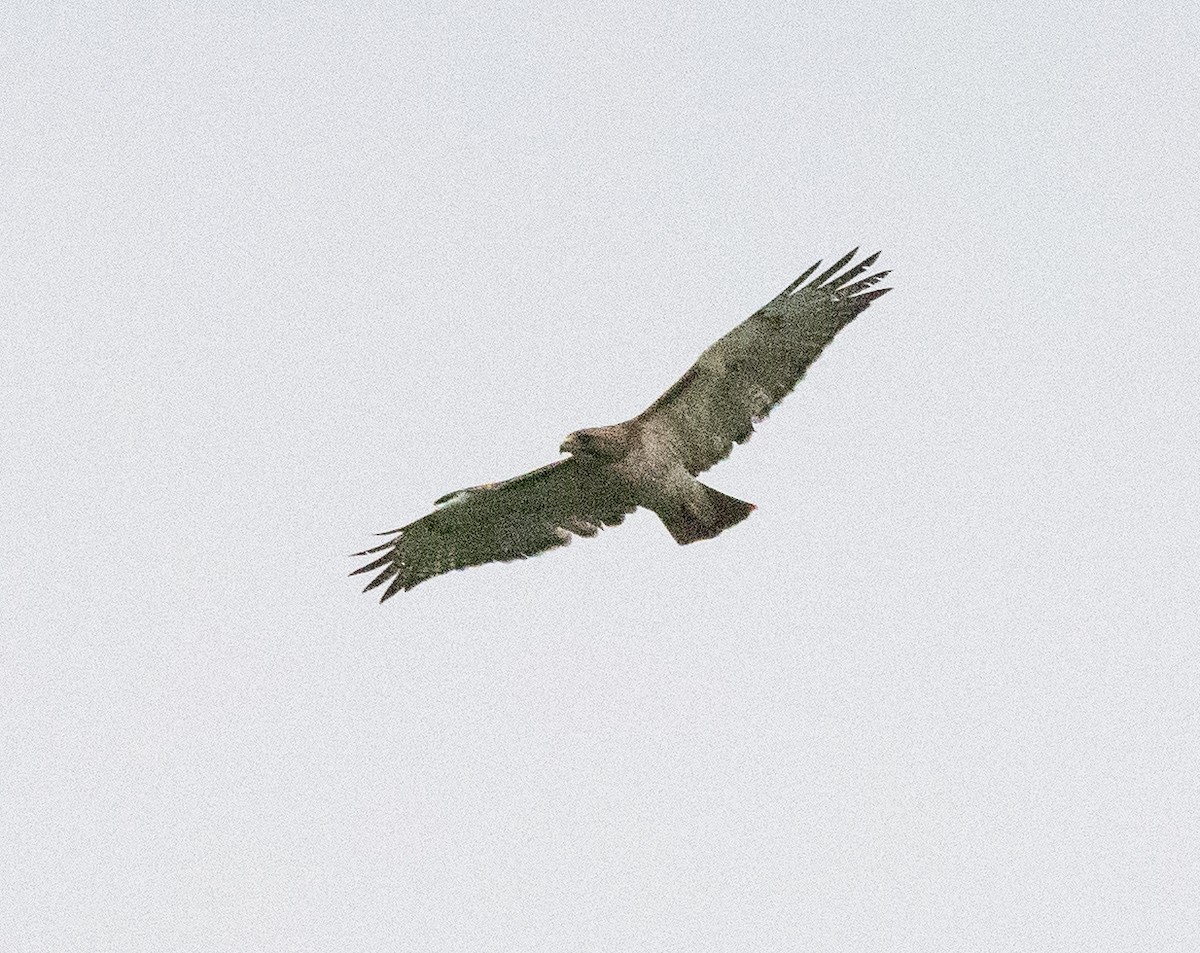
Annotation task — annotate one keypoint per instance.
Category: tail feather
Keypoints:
(705, 516)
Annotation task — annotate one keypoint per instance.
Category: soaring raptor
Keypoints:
(651, 460)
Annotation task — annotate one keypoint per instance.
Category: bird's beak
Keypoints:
(568, 446)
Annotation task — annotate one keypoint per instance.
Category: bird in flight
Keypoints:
(650, 460)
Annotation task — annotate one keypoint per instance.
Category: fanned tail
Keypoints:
(705, 515)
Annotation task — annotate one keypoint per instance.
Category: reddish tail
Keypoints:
(706, 515)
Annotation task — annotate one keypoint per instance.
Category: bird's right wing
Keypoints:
(513, 519)
(736, 382)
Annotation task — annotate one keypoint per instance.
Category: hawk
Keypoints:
(651, 460)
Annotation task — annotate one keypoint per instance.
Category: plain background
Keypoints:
(275, 276)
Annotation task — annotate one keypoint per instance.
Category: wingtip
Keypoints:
(850, 292)
(374, 564)
(833, 269)
(396, 586)
(799, 281)
(379, 580)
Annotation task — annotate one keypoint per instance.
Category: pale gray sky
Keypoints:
(276, 276)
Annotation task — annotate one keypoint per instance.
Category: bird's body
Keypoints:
(656, 480)
(650, 460)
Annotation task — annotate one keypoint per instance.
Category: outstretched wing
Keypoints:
(736, 382)
(494, 522)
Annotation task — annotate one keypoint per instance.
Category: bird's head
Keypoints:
(596, 443)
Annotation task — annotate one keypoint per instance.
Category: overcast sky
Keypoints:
(273, 277)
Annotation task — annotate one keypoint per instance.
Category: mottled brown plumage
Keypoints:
(651, 460)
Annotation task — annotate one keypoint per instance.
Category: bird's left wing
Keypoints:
(736, 382)
(513, 519)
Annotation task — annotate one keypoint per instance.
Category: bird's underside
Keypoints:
(650, 460)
